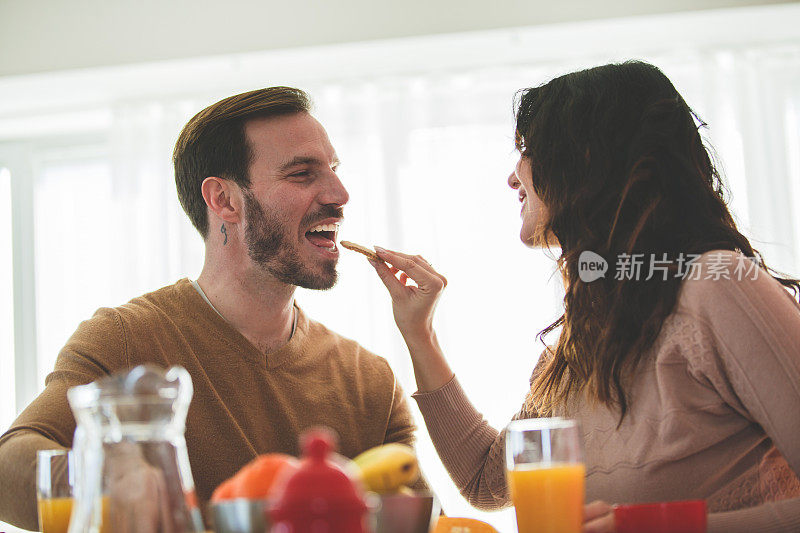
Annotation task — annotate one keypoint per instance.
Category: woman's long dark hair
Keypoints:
(618, 161)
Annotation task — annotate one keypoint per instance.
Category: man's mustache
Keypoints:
(327, 211)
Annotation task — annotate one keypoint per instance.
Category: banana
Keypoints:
(384, 469)
(405, 491)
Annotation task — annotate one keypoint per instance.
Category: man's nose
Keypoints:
(513, 181)
(334, 193)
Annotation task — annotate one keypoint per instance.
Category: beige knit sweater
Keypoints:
(245, 402)
(715, 414)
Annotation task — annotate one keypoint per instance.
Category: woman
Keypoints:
(682, 364)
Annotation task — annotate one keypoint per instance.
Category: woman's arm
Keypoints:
(413, 309)
(755, 364)
(755, 324)
(470, 449)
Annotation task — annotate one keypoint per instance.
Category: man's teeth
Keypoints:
(325, 227)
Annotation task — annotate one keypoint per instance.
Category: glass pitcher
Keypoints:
(132, 467)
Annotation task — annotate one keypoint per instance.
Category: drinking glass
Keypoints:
(54, 481)
(544, 459)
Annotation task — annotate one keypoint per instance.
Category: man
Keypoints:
(256, 174)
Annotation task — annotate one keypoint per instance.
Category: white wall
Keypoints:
(45, 35)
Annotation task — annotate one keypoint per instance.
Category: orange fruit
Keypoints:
(257, 478)
(446, 524)
(224, 491)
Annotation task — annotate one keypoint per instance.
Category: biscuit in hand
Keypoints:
(360, 249)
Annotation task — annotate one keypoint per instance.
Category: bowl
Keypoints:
(395, 513)
(399, 513)
(240, 516)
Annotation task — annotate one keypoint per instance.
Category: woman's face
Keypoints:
(534, 212)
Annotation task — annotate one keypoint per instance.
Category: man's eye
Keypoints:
(301, 174)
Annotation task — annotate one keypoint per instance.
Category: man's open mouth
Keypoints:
(323, 236)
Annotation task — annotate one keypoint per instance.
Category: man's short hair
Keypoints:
(213, 143)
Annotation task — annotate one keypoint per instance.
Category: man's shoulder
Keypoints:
(106, 337)
(154, 302)
(168, 304)
(171, 300)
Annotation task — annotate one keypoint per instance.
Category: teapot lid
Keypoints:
(319, 487)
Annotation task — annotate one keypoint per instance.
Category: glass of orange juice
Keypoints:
(54, 481)
(544, 459)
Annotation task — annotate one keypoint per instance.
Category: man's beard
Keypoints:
(269, 246)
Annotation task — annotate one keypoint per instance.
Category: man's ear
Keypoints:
(218, 194)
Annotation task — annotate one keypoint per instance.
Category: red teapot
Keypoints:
(320, 497)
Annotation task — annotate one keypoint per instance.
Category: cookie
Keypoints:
(360, 249)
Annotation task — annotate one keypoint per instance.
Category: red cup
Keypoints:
(666, 517)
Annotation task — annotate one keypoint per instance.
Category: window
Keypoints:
(77, 250)
(7, 389)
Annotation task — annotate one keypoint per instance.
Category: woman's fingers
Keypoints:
(595, 509)
(421, 261)
(413, 306)
(387, 276)
(598, 517)
(402, 280)
(415, 267)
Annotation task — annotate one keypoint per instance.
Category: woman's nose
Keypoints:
(513, 181)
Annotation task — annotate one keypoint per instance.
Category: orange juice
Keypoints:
(54, 515)
(548, 499)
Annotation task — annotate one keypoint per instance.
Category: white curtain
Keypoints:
(425, 156)
(7, 403)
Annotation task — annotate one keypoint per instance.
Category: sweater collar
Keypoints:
(202, 293)
(232, 336)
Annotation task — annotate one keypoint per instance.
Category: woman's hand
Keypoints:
(598, 517)
(413, 307)
(413, 312)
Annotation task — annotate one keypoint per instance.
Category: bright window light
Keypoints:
(7, 404)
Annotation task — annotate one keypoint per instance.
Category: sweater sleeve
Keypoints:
(755, 324)
(774, 517)
(471, 450)
(95, 349)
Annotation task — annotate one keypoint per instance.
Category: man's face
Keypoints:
(293, 207)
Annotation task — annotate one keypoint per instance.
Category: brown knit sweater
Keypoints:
(714, 414)
(244, 404)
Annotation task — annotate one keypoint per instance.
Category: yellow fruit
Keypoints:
(405, 491)
(384, 469)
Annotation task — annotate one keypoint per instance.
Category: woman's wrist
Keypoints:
(430, 366)
(422, 340)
